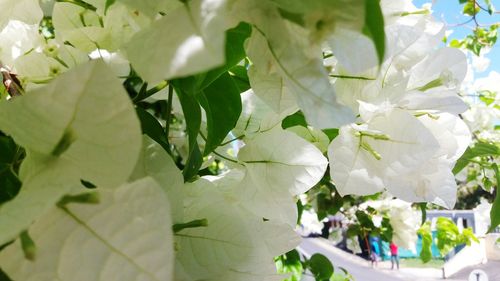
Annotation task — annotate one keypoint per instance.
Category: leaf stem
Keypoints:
(351, 77)
(168, 116)
(80, 3)
(218, 154)
(230, 141)
(224, 157)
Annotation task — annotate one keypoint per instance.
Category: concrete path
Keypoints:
(491, 268)
(361, 269)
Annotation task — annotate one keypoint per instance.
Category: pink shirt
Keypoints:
(394, 249)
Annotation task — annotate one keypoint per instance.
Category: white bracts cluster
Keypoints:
(408, 135)
(150, 225)
(404, 221)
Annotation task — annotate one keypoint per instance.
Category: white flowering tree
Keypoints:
(169, 140)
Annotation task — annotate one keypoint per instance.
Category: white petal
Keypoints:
(175, 52)
(127, 236)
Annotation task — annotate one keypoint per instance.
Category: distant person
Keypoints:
(374, 252)
(394, 255)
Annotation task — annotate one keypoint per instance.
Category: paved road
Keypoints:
(492, 268)
(361, 269)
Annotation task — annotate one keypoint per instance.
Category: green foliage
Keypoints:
(290, 263)
(234, 53)
(320, 266)
(10, 157)
(328, 204)
(331, 133)
(448, 235)
(487, 97)
(98, 121)
(296, 119)
(480, 38)
(374, 26)
(426, 235)
(193, 123)
(495, 208)
(3, 276)
(240, 77)
(151, 127)
(222, 103)
(480, 149)
(470, 8)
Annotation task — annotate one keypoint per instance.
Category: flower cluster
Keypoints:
(394, 101)
(409, 133)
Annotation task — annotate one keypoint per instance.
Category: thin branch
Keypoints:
(460, 24)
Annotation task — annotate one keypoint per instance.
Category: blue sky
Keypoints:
(451, 12)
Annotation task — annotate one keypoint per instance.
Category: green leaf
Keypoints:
(3, 276)
(448, 235)
(479, 149)
(386, 230)
(240, 77)
(455, 43)
(470, 8)
(234, 52)
(331, 133)
(488, 97)
(8, 148)
(336, 203)
(152, 127)
(222, 103)
(293, 17)
(426, 235)
(192, 113)
(374, 26)
(195, 84)
(495, 208)
(300, 210)
(320, 267)
(9, 183)
(290, 263)
(82, 242)
(468, 236)
(423, 209)
(296, 119)
(364, 219)
(490, 6)
(108, 4)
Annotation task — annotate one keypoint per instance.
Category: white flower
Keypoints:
(115, 60)
(309, 222)
(352, 244)
(482, 216)
(16, 39)
(404, 223)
